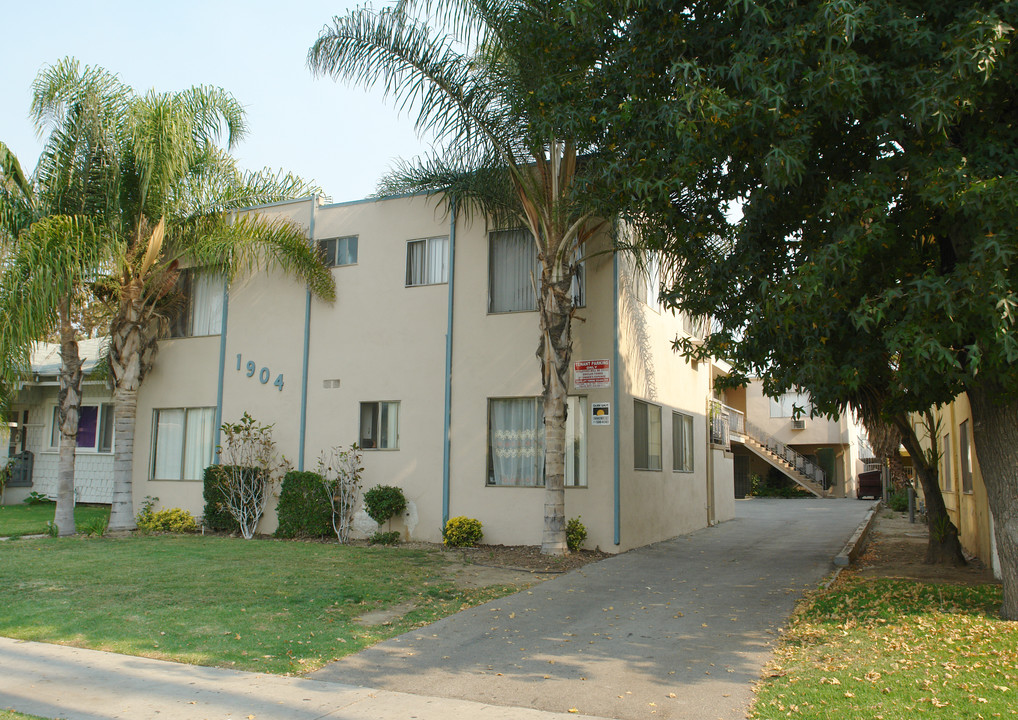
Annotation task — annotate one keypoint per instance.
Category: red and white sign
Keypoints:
(589, 374)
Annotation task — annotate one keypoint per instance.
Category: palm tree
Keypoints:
(479, 89)
(158, 192)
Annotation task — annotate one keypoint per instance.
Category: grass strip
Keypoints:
(18, 520)
(272, 606)
(890, 649)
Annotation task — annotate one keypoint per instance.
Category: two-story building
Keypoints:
(427, 360)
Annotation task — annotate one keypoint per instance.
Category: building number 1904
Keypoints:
(263, 374)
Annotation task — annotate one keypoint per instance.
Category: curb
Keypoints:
(854, 546)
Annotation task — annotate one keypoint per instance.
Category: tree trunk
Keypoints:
(69, 400)
(122, 512)
(555, 307)
(944, 546)
(995, 437)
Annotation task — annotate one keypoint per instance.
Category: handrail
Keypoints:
(802, 464)
(720, 426)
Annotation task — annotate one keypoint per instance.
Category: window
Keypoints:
(785, 405)
(514, 271)
(646, 436)
(648, 282)
(182, 443)
(379, 426)
(682, 442)
(427, 261)
(964, 459)
(516, 442)
(948, 481)
(338, 251)
(95, 428)
(202, 310)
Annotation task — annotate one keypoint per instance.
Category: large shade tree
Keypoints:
(471, 70)
(159, 199)
(872, 147)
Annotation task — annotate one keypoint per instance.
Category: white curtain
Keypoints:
(517, 442)
(438, 260)
(682, 442)
(207, 304)
(387, 425)
(198, 441)
(576, 442)
(513, 271)
(416, 262)
(169, 439)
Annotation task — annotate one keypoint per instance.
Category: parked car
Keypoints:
(870, 485)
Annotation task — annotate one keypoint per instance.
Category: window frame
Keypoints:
(154, 449)
(427, 261)
(681, 420)
(965, 456)
(104, 417)
(948, 483)
(576, 418)
(182, 323)
(649, 440)
(330, 259)
(377, 424)
(578, 287)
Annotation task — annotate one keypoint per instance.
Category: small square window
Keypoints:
(338, 251)
(379, 425)
(427, 261)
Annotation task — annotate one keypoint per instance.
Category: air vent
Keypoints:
(329, 384)
(798, 424)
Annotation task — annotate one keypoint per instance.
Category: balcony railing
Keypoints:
(800, 462)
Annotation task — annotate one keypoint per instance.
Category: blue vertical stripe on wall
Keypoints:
(448, 368)
(307, 351)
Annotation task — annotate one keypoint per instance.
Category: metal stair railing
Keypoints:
(801, 464)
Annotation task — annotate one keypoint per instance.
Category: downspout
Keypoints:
(448, 369)
(222, 370)
(616, 437)
(307, 352)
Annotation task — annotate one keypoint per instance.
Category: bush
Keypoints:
(174, 520)
(385, 538)
(35, 498)
(384, 502)
(462, 532)
(304, 510)
(898, 501)
(216, 516)
(576, 533)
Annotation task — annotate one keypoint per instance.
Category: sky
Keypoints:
(344, 138)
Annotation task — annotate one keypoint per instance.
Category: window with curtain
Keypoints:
(648, 282)
(427, 261)
(338, 251)
(646, 436)
(514, 271)
(946, 447)
(784, 406)
(95, 428)
(379, 425)
(682, 442)
(182, 443)
(202, 310)
(516, 442)
(964, 458)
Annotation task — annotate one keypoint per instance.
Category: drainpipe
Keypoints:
(448, 369)
(222, 370)
(307, 351)
(616, 437)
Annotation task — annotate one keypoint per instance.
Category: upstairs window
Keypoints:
(514, 272)
(202, 310)
(427, 261)
(648, 282)
(338, 251)
(379, 426)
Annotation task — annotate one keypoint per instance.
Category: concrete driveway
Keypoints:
(680, 629)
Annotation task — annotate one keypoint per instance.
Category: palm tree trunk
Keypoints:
(555, 351)
(995, 436)
(69, 400)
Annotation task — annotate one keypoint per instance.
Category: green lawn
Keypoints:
(890, 649)
(16, 520)
(272, 606)
(11, 715)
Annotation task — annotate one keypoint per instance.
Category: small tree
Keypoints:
(384, 502)
(251, 467)
(340, 471)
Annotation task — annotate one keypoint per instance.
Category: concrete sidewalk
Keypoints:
(680, 629)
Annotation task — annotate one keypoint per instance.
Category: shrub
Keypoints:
(384, 502)
(251, 469)
(576, 533)
(174, 520)
(898, 501)
(385, 538)
(462, 532)
(340, 471)
(35, 498)
(216, 516)
(304, 509)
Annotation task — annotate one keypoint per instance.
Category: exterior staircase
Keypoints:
(803, 471)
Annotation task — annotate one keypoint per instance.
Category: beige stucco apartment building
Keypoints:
(427, 360)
